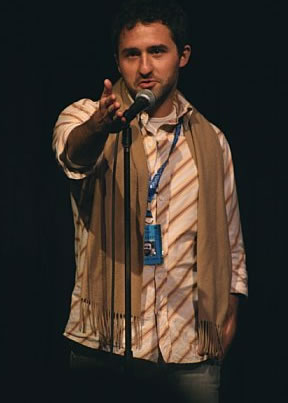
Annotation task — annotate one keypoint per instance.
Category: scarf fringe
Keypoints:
(100, 323)
(210, 339)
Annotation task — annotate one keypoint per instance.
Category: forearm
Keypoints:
(85, 143)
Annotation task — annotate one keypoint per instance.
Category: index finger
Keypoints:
(107, 88)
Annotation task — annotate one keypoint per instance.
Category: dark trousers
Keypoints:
(141, 380)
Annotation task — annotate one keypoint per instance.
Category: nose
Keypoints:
(145, 65)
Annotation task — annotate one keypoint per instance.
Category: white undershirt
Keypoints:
(154, 124)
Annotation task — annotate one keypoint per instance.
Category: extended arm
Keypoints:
(86, 141)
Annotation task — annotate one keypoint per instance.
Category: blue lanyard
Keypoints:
(154, 182)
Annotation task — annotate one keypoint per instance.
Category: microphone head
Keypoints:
(148, 95)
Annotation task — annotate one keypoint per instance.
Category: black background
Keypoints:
(53, 55)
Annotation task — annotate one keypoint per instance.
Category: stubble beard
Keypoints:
(161, 94)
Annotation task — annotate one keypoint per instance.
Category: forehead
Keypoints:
(145, 35)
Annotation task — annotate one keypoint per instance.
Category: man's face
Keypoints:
(148, 58)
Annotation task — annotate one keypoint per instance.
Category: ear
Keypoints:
(185, 56)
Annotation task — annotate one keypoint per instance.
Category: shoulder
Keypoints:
(221, 136)
(198, 120)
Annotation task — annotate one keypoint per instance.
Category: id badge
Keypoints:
(152, 245)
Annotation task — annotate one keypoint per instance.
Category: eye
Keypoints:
(157, 50)
(131, 53)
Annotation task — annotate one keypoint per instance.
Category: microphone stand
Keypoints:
(143, 99)
(126, 142)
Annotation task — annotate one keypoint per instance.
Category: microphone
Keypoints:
(144, 99)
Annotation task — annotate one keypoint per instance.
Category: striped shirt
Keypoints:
(169, 291)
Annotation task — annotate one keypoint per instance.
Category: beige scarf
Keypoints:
(213, 248)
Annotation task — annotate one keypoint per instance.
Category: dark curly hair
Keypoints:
(168, 12)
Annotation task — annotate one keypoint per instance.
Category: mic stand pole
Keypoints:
(126, 142)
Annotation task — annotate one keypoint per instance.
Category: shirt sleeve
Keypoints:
(239, 281)
(71, 117)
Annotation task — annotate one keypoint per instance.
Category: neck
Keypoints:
(163, 107)
(161, 111)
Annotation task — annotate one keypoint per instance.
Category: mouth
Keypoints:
(147, 84)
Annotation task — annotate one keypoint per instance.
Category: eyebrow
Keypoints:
(159, 46)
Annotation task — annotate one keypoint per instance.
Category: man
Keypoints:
(184, 307)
